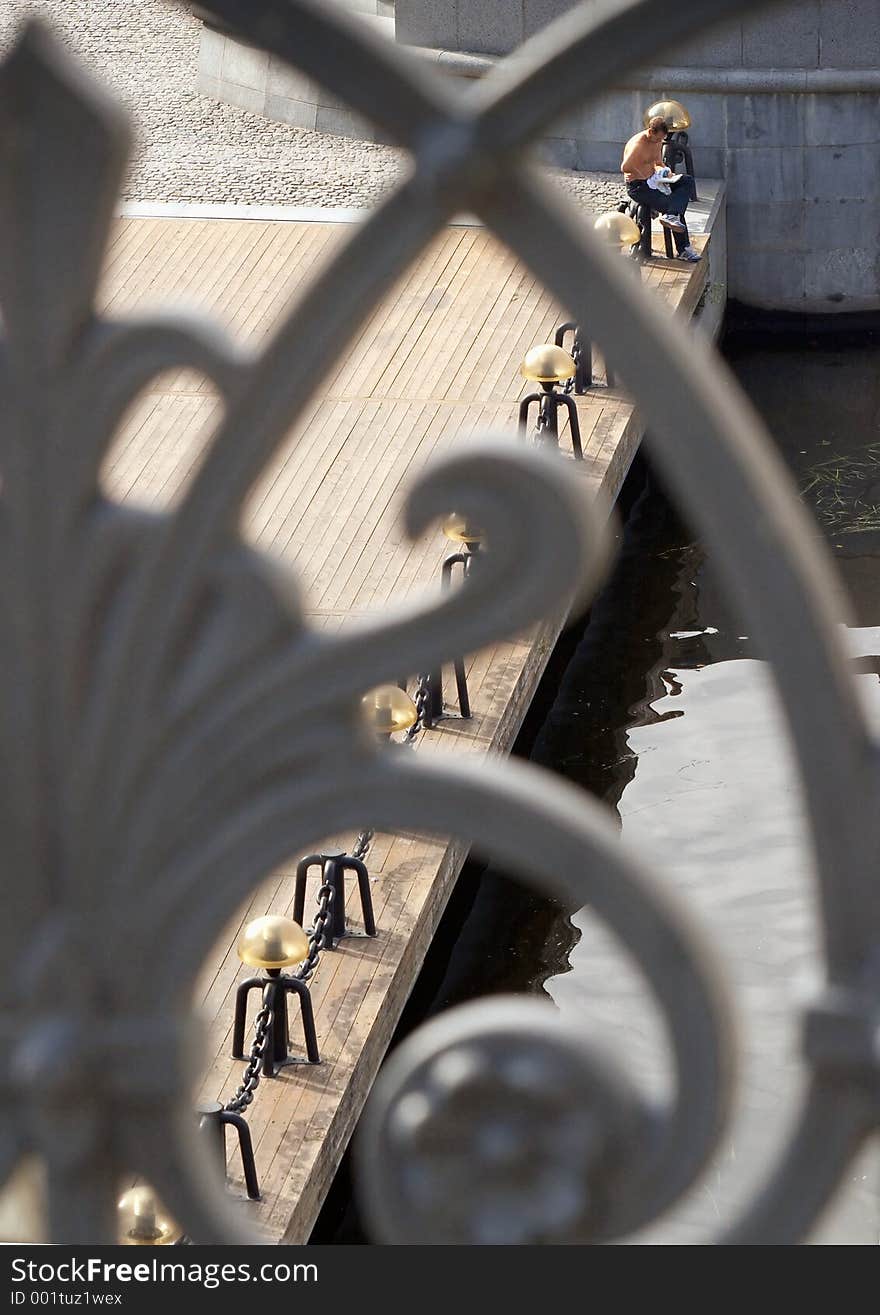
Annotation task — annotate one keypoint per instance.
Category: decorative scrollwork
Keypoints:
(177, 727)
(165, 734)
(508, 1128)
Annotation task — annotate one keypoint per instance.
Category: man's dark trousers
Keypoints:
(676, 203)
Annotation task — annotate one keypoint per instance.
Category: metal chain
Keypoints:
(317, 933)
(576, 355)
(421, 698)
(263, 1020)
(318, 930)
(251, 1079)
(361, 847)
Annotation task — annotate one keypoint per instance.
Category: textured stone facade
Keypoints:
(237, 73)
(785, 106)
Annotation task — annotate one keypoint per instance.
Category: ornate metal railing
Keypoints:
(171, 724)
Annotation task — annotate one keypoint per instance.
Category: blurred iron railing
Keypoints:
(172, 726)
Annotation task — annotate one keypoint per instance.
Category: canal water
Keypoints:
(662, 706)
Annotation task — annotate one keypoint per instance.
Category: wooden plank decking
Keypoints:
(455, 327)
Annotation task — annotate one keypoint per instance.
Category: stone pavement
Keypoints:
(189, 148)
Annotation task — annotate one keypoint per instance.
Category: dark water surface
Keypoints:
(662, 707)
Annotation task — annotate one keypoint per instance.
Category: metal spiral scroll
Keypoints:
(166, 735)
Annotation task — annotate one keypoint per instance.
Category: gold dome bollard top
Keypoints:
(387, 709)
(273, 941)
(617, 229)
(675, 114)
(143, 1222)
(457, 529)
(548, 364)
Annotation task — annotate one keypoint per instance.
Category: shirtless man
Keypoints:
(642, 155)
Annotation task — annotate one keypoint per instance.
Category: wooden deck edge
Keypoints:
(542, 641)
(456, 326)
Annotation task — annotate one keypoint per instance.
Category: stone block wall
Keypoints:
(785, 106)
(234, 72)
(800, 34)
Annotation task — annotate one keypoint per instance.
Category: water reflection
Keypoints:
(665, 711)
(703, 782)
(714, 801)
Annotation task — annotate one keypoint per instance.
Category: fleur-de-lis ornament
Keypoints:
(171, 728)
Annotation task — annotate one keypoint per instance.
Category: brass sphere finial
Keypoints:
(273, 942)
(617, 229)
(457, 529)
(675, 114)
(143, 1221)
(388, 709)
(548, 364)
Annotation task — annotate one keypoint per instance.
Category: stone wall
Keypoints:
(234, 72)
(785, 106)
(800, 34)
(801, 158)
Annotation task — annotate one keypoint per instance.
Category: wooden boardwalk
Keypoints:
(455, 327)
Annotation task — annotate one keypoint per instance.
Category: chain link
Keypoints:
(263, 1020)
(251, 1080)
(421, 698)
(362, 845)
(317, 933)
